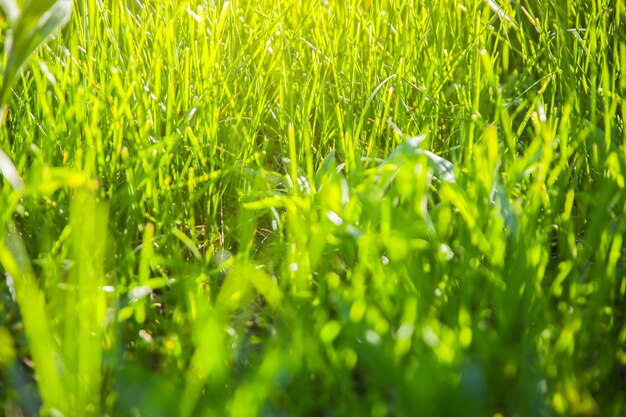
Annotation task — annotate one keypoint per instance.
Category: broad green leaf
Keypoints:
(15, 261)
(85, 307)
(33, 26)
(328, 165)
(11, 10)
(8, 171)
(407, 148)
(443, 168)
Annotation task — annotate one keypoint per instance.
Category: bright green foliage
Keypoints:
(29, 28)
(393, 208)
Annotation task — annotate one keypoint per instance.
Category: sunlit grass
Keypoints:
(317, 208)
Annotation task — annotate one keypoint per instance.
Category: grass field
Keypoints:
(315, 208)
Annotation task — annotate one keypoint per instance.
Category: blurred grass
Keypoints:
(236, 208)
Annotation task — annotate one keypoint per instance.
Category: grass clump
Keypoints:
(323, 208)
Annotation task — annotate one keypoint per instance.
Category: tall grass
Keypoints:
(318, 208)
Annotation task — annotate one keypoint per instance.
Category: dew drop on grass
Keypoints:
(139, 292)
(8, 171)
(372, 337)
(147, 337)
(429, 337)
(49, 76)
(10, 284)
(446, 251)
(543, 386)
(354, 231)
(405, 331)
(304, 185)
(193, 15)
(191, 113)
(334, 218)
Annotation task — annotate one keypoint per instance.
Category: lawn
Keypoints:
(313, 208)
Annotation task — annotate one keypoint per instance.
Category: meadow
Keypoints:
(313, 208)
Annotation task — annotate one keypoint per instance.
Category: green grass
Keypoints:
(386, 208)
